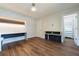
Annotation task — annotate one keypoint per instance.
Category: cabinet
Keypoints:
(53, 37)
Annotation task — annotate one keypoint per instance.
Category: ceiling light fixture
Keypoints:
(33, 7)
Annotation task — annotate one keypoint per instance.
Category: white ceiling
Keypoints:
(43, 9)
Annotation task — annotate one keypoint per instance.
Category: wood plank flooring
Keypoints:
(40, 47)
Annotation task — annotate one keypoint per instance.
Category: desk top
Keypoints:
(53, 34)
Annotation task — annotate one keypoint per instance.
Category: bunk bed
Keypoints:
(6, 38)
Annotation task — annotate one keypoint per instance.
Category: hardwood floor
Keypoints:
(40, 47)
(69, 42)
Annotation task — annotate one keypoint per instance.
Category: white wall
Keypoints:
(45, 23)
(7, 28)
(50, 23)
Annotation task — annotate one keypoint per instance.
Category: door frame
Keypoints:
(62, 28)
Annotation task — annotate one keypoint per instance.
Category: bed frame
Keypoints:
(12, 37)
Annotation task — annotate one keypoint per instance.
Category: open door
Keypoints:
(62, 31)
(75, 29)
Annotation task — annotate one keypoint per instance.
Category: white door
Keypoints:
(30, 28)
(62, 31)
(75, 28)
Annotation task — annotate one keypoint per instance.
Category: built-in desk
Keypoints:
(53, 36)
